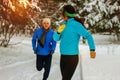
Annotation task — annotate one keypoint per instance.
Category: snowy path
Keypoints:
(105, 66)
(18, 63)
(17, 71)
(26, 71)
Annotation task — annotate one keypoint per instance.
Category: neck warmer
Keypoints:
(42, 38)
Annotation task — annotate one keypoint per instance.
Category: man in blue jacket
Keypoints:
(69, 35)
(44, 46)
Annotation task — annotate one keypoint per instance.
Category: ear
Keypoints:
(65, 18)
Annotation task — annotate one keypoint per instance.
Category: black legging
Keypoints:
(44, 62)
(68, 64)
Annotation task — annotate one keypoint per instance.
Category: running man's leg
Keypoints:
(47, 66)
(39, 62)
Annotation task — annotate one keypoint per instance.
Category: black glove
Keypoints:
(35, 51)
(51, 52)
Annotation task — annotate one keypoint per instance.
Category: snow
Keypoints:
(17, 61)
(102, 6)
(88, 6)
(115, 19)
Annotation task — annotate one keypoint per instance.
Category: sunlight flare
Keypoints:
(25, 3)
(9, 4)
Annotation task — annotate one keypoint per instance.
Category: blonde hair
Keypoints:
(46, 19)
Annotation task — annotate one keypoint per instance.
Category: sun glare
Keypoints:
(25, 3)
(12, 3)
(9, 4)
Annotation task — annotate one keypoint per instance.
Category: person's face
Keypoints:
(46, 24)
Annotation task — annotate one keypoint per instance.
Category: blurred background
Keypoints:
(22, 17)
(19, 19)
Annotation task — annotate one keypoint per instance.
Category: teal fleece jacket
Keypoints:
(70, 37)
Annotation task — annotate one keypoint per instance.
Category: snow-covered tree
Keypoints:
(22, 16)
(26, 15)
(100, 15)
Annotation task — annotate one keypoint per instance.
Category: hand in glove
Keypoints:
(51, 52)
(35, 51)
(92, 54)
(61, 28)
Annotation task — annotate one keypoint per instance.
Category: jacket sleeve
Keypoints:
(53, 45)
(86, 34)
(56, 36)
(34, 40)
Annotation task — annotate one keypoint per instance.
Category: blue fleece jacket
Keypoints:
(70, 37)
(49, 45)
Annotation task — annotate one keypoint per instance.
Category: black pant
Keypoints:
(44, 62)
(68, 64)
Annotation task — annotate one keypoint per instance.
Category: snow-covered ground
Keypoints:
(17, 62)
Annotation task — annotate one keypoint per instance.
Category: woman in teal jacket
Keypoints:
(69, 34)
(43, 46)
